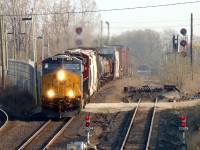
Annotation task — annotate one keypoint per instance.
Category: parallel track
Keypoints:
(4, 119)
(46, 135)
(139, 132)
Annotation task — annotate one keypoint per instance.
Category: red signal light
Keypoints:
(87, 117)
(87, 124)
(183, 31)
(183, 54)
(79, 30)
(183, 43)
(183, 124)
(78, 42)
(183, 118)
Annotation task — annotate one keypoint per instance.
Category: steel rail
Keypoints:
(58, 134)
(34, 136)
(6, 122)
(151, 127)
(130, 126)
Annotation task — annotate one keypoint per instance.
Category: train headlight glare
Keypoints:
(61, 75)
(50, 93)
(70, 93)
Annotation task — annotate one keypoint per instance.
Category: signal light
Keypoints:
(87, 118)
(183, 43)
(79, 30)
(78, 42)
(183, 31)
(183, 124)
(87, 124)
(183, 54)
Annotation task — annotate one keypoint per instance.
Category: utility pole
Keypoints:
(191, 36)
(108, 32)
(3, 63)
(101, 38)
(43, 44)
(33, 36)
(14, 39)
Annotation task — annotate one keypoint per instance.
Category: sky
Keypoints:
(173, 17)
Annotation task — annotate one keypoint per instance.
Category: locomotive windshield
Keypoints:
(61, 63)
(53, 66)
(71, 66)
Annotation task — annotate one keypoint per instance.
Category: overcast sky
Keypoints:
(157, 18)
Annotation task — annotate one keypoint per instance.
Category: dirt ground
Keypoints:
(108, 124)
(168, 136)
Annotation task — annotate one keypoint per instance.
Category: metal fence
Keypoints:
(21, 74)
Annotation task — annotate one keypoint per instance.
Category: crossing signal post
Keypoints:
(88, 128)
(183, 127)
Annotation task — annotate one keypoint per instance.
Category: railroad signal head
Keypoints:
(183, 121)
(87, 119)
(78, 30)
(183, 31)
(183, 43)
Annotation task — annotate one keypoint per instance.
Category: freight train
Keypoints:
(70, 78)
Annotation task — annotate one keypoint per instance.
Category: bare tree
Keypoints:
(145, 46)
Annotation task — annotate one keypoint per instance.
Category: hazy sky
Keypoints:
(157, 18)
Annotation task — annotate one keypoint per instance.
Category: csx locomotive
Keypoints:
(71, 77)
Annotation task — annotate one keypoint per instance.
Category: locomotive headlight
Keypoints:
(50, 93)
(61, 75)
(70, 93)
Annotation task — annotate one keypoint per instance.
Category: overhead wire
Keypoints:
(107, 10)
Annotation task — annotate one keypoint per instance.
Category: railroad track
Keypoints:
(44, 137)
(4, 119)
(140, 128)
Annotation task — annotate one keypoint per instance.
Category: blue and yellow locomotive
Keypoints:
(62, 85)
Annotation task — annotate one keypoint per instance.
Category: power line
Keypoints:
(152, 27)
(106, 10)
(153, 21)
